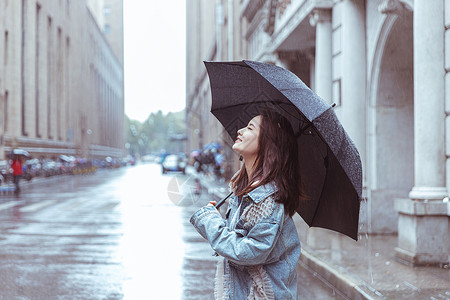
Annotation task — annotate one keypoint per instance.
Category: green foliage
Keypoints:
(159, 133)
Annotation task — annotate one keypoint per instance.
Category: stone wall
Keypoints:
(45, 87)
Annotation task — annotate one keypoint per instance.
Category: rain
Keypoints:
(115, 130)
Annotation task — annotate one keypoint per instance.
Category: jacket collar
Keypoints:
(262, 192)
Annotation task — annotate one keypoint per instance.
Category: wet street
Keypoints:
(115, 234)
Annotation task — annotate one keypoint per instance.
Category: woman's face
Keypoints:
(246, 143)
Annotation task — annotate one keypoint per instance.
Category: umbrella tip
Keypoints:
(333, 105)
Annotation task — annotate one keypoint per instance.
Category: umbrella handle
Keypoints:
(219, 204)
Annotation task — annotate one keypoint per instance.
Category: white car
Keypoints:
(173, 163)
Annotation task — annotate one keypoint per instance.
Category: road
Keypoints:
(115, 234)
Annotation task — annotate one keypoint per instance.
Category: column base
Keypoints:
(418, 259)
(428, 193)
(423, 232)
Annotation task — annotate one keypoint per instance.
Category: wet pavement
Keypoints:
(115, 234)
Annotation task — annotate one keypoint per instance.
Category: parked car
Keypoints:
(173, 163)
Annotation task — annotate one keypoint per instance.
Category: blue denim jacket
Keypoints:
(259, 243)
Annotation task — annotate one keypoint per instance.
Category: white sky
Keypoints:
(154, 49)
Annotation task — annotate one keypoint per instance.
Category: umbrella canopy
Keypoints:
(66, 158)
(21, 152)
(329, 163)
(195, 153)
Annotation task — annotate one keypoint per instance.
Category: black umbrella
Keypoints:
(330, 165)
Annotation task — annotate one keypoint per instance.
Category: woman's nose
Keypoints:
(239, 132)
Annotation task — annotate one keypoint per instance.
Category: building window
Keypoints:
(337, 92)
(5, 112)
(67, 82)
(107, 10)
(68, 8)
(22, 68)
(106, 29)
(59, 83)
(36, 68)
(49, 77)
(5, 52)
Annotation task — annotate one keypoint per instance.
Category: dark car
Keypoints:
(173, 163)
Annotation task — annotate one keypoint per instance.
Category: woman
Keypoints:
(258, 240)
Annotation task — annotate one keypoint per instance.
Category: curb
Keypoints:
(345, 283)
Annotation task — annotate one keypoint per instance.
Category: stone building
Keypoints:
(61, 84)
(203, 44)
(109, 17)
(384, 64)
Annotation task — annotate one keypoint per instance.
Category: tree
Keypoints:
(156, 134)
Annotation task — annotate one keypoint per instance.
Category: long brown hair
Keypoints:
(277, 162)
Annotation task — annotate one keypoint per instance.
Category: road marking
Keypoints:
(74, 203)
(34, 207)
(9, 204)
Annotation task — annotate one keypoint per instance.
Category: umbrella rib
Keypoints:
(300, 129)
(253, 102)
(244, 104)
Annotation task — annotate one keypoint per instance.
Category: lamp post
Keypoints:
(89, 144)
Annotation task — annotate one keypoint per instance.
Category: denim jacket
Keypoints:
(259, 244)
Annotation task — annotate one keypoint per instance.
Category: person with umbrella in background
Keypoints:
(16, 166)
(296, 157)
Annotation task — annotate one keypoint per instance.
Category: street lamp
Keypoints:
(89, 142)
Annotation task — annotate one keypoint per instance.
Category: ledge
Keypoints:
(422, 208)
(249, 8)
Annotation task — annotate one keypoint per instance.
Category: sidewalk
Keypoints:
(366, 269)
(9, 188)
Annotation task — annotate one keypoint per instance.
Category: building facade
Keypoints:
(385, 65)
(208, 40)
(61, 84)
(109, 16)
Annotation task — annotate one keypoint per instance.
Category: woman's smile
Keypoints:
(246, 143)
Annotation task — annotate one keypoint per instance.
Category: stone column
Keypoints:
(353, 111)
(321, 82)
(429, 93)
(321, 18)
(423, 226)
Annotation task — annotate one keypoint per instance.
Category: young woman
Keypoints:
(258, 239)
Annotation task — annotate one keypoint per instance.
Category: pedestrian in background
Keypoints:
(258, 239)
(219, 160)
(16, 166)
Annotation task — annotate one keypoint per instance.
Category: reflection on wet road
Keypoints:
(111, 235)
(116, 234)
